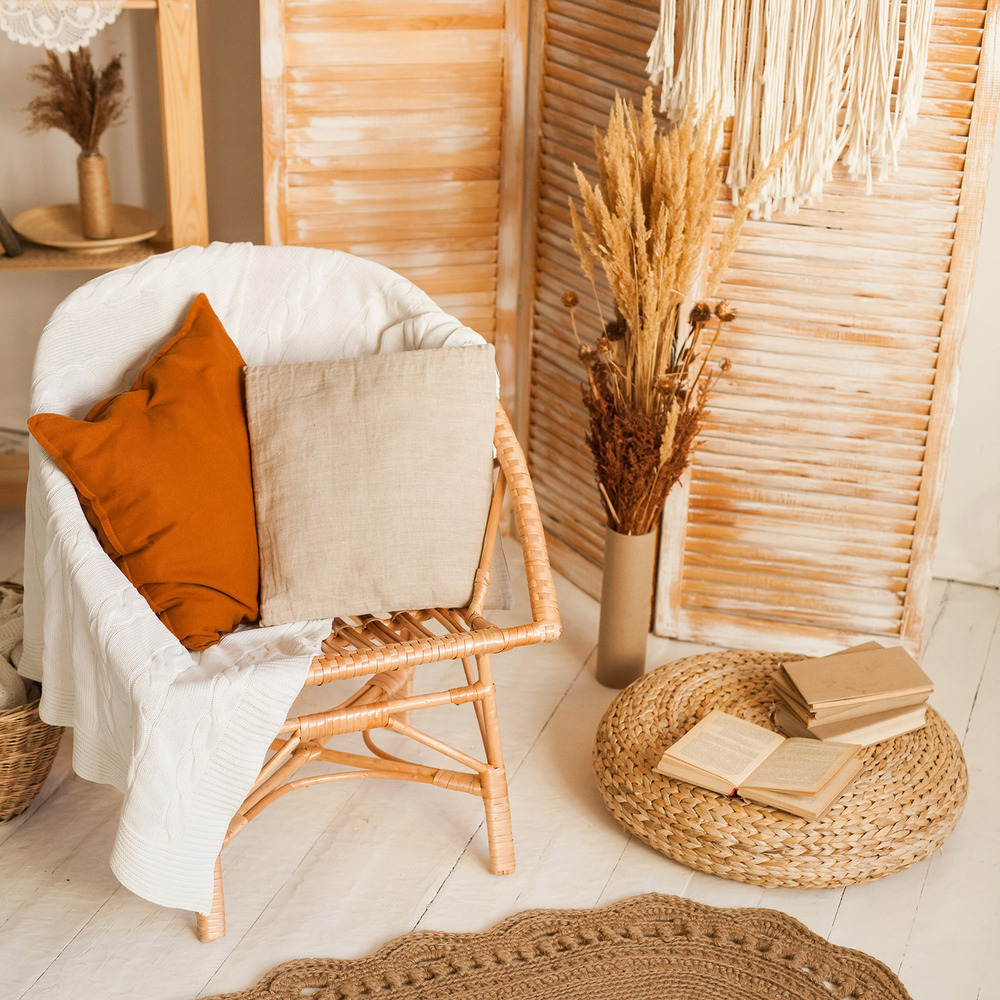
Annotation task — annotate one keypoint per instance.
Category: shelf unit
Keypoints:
(184, 163)
(183, 150)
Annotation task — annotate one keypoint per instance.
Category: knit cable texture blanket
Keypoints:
(649, 947)
(182, 735)
(13, 691)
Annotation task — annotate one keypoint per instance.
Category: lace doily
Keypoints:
(63, 25)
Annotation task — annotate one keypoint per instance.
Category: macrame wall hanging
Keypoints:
(849, 73)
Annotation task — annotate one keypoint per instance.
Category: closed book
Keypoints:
(857, 677)
(863, 731)
(823, 716)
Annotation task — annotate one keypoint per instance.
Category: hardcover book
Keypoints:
(792, 700)
(863, 731)
(856, 677)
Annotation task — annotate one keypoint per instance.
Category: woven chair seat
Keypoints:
(901, 808)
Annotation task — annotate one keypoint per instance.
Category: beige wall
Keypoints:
(969, 536)
(39, 169)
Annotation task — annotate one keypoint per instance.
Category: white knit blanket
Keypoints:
(182, 735)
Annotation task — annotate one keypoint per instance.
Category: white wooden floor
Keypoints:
(337, 871)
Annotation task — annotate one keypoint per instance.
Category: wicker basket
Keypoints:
(28, 747)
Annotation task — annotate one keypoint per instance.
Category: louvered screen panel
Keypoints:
(810, 512)
(384, 134)
(591, 49)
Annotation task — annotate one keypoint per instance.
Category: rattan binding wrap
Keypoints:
(28, 747)
(900, 809)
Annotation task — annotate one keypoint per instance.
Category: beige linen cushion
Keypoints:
(372, 480)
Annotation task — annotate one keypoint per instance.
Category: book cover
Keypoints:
(858, 676)
(790, 699)
(863, 731)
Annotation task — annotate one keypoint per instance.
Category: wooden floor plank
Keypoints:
(56, 877)
(951, 949)
(338, 871)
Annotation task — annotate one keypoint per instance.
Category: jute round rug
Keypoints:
(649, 947)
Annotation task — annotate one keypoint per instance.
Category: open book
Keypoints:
(734, 757)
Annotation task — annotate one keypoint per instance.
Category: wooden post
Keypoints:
(183, 136)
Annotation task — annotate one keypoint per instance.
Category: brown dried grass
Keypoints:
(77, 99)
(648, 225)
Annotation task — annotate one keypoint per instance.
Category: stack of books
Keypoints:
(862, 695)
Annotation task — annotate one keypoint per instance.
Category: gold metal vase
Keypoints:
(626, 607)
(97, 213)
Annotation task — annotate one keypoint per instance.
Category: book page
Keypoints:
(801, 765)
(725, 745)
(811, 807)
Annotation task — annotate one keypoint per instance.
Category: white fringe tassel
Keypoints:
(828, 67)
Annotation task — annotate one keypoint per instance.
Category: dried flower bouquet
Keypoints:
(649, 373)
(78, 99)
(84, 103)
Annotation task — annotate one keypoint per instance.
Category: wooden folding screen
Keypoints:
(393, 129)
(809, 517)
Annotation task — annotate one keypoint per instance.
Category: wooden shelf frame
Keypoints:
(183, 150)
(184, 165)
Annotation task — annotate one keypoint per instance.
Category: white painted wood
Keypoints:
(969, 535)
(396, 134)
(844, 358)
(298, 882)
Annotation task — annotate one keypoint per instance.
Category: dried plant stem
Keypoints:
(77, 99)
(646, 225)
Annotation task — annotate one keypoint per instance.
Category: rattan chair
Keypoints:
(386, 651)
(380, 654)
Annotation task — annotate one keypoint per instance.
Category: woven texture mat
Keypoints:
(646, 948)
(901, 808)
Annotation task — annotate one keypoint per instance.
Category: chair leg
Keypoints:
(499, 833)
(212, 926)
(494, 782)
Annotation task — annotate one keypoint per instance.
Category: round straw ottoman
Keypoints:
(901, 808)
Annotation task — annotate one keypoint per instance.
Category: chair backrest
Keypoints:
(278, 304)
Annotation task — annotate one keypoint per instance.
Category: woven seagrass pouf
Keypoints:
(900, 809)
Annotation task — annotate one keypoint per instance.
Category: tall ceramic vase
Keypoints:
(97, 214)
(626, 604)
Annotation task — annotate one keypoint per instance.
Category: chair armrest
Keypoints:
(546, 624)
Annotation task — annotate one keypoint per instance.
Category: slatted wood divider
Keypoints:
(394, 130)
(809, 517)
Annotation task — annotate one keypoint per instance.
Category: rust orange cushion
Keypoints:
(163, 474)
